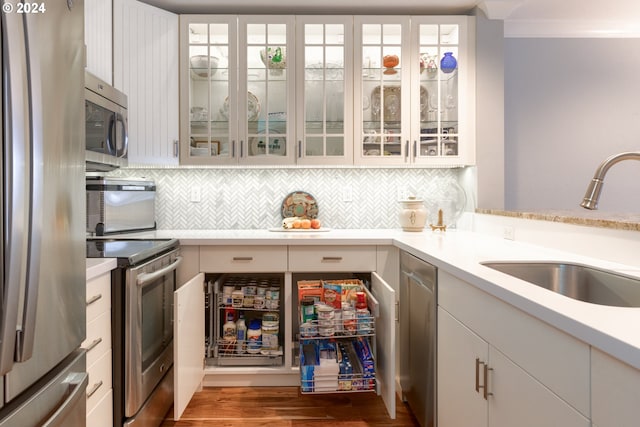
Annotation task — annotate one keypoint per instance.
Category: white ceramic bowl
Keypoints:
(199, 64)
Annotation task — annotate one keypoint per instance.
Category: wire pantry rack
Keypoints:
(338, 384)
(234, 353)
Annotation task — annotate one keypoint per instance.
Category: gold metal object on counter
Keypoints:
(440, 225)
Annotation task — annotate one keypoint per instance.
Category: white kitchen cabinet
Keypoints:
(442, 103)
(409, 109)
(615, 401)
(460, 352)
(532, 373)
(381, 115)
(324, 80)
(98, 25)
(208, 89)
(214, 262)
(343, 258)
(237, 89)
(243, 259)
(188, 348)
(98, 347)
(146, 69)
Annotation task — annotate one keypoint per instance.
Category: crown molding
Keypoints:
(520, 28)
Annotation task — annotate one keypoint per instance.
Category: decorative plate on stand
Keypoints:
(300, 204)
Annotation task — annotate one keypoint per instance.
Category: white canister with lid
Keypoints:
(413, 214)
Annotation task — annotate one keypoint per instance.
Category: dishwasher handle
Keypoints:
(429, 284)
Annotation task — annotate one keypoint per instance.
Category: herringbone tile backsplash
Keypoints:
(251, 198)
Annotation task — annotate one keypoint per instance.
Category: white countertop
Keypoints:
(615, 330)
(99, 266)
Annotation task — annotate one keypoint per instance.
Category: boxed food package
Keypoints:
(331, 294)
(335, 292)
(310, 288)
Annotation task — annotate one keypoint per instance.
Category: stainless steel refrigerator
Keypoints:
(42, 297)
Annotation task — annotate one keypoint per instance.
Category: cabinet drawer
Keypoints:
(554, 358)
(238, 259)
(98, 296)
(102, 414)
(99, 380)
(332, 258)
(98, 337)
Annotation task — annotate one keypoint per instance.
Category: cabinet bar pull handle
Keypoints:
(484, 386)
(300, 149)
(95, 388)
(243, 258)
(486, 382)
(415, 149)
(332, 258)
(241, 148)
(176, 150)
(94, 344)
(233, 148)
(406, 151)
(94, 299)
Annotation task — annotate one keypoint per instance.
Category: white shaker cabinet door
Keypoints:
(188, 342)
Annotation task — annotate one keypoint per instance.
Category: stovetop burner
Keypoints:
(129, 251)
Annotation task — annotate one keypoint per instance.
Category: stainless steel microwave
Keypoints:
(105, 110)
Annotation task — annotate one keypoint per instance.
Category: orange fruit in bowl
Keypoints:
(305, 223)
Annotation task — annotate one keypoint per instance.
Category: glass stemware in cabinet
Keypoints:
(325, 77)
(381, 105)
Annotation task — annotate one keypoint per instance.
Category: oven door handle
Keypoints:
(146, 278)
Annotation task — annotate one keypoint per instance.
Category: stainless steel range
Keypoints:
(142, 289)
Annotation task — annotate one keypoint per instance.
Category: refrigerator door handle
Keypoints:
(26, 335)
(16, 176)
(77, 383)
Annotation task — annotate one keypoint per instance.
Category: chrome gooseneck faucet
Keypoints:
(591, 197)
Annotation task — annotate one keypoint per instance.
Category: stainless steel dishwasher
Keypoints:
(418, 291)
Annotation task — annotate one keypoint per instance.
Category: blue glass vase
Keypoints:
(448, 63)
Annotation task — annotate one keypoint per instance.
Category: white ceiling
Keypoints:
(537, 18)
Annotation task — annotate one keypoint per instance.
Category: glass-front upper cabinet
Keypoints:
(324, 105)
(414, 91)
(443, 91)
(266, 86)
(237, 81)
(209, 132)
(383, 73)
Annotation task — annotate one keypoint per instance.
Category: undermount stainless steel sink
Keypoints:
(576, 281)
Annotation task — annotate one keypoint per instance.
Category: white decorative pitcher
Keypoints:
(413, 214)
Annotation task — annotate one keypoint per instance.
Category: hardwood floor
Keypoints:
(285, 406)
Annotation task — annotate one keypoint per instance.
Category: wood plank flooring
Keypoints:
(286, 407)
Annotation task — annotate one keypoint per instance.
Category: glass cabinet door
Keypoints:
(438, 84)
(266, 96)
(325, 77)
(212, 100)
(383, 64)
